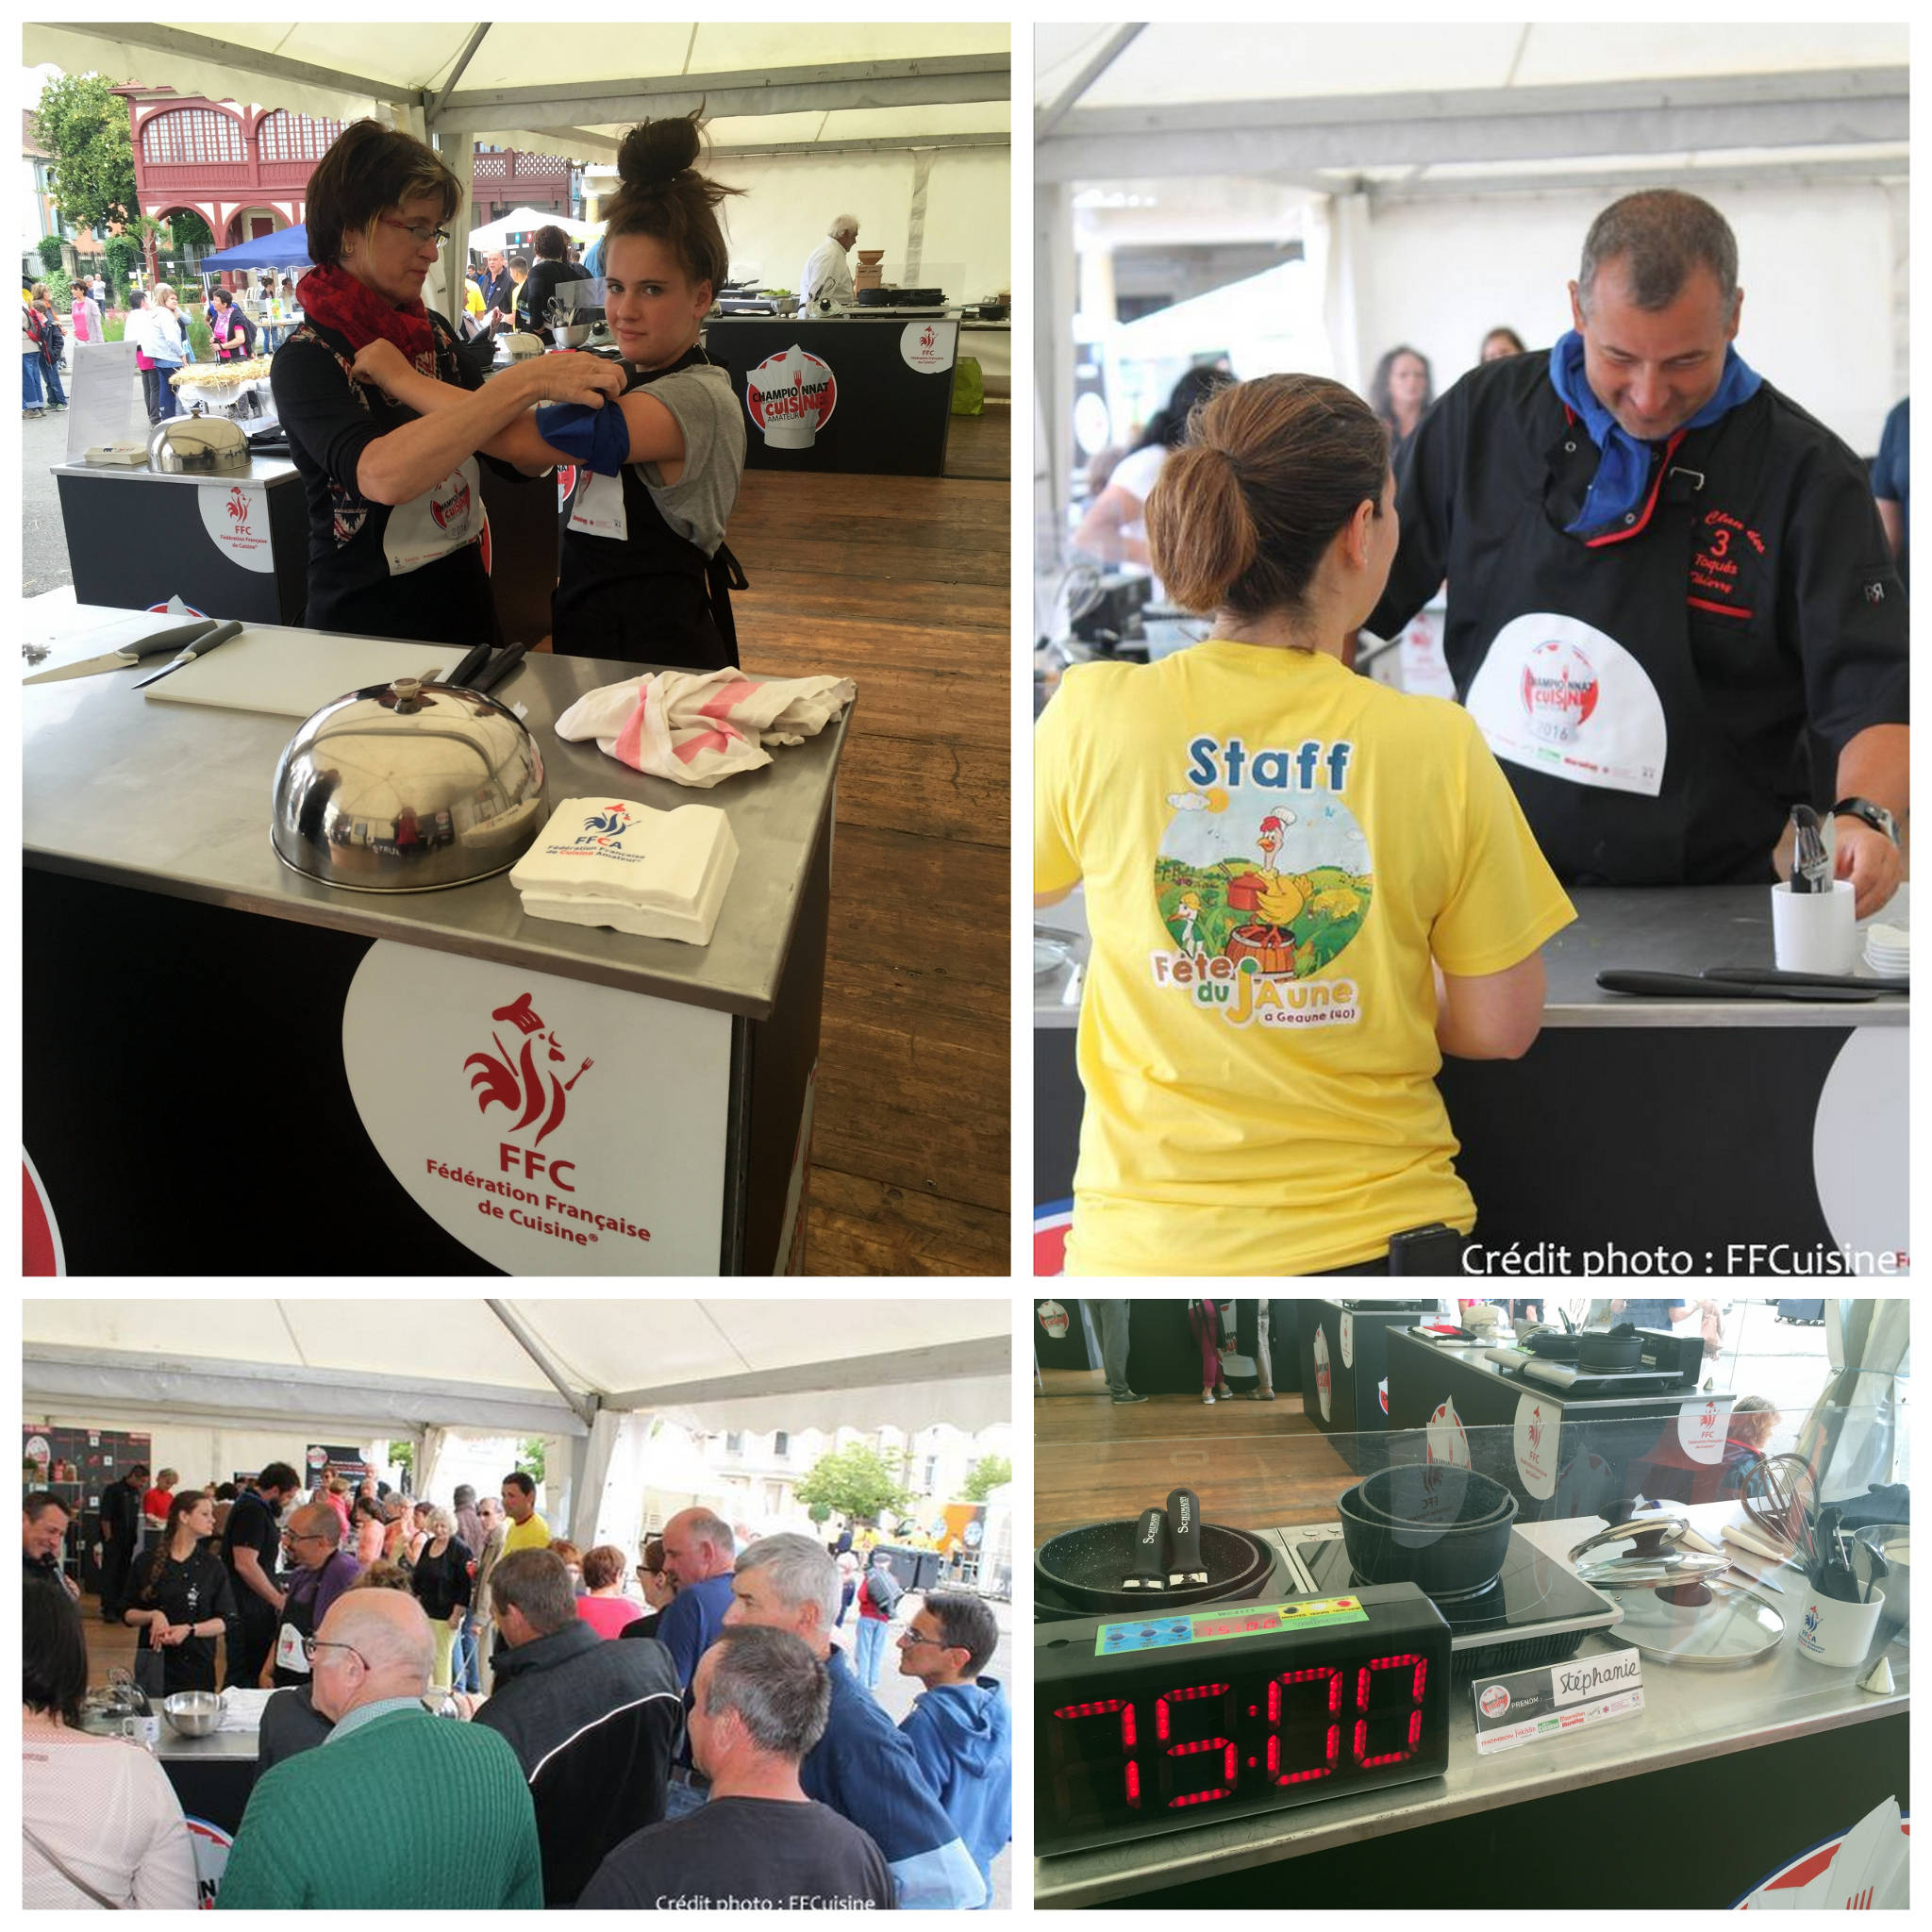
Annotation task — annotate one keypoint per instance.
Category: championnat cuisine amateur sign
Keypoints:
(791, 396)
(550, 1125)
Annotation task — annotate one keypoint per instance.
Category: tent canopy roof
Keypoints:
(553, 87)
(532, 1364)
(1471, 108)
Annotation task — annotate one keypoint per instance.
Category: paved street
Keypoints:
(44, 542)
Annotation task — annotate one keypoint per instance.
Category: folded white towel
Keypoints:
(698, 727)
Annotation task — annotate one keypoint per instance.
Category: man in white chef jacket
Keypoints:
(827, 273)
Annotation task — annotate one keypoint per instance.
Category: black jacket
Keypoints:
(595, 1725)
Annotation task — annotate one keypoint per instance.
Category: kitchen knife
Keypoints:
(490, 679)
(1183, 1539)
(1683, 986)
(171, 638)
(1150, 1553)
(471, 661)
(200, 648)
(1773, 975)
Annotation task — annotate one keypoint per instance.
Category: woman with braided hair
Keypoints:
(182, 1597)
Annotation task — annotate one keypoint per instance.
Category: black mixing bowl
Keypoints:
(1433, 1493)
(1445, 1559)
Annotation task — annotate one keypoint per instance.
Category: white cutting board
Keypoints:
(295, 676)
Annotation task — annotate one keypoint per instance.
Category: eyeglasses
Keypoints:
(417, 233)
(913, 1636)
(312, 1644)
(290, 1535)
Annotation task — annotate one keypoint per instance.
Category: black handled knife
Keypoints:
(1685, 986)
(199, 648)
(1150, 1553)
(1183, 1539)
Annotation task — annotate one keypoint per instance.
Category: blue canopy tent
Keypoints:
(285, 248)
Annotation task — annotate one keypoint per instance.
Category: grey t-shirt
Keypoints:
(699, 505)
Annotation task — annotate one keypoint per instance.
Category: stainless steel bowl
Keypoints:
(193, 1713)
(407, 788)
(571, 335)
(198, 446)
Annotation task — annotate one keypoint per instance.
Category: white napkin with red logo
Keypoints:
(696, 728)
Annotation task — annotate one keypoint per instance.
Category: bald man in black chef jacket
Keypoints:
(1661, 573)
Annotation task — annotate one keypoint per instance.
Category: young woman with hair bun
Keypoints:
(645, 575)
(1304, 887)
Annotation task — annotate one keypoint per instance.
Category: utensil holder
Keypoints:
(1836, 1634)
(1814, 932)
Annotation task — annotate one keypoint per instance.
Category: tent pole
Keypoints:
(584, 1407)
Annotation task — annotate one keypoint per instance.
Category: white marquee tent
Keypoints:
(268, 1377)
(1439, 179)
(906, 126)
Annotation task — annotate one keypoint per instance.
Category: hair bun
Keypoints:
(654, 152)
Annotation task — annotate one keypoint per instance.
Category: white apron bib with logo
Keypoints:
(442, 520)
(1561, 698)
(599, 510)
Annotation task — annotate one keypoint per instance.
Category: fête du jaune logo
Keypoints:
(531, 1081)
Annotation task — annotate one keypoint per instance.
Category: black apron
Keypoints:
(1596, 631)
(298, 1620)
(649, 597)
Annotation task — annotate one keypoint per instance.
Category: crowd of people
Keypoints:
(541, 1736)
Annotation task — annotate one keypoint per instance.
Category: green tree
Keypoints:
(856, 1482)
(48, 249)
(85, 127)
(401, 1454)
(124, 258)
(190, 230)
(530, 1458)
(986, 1476)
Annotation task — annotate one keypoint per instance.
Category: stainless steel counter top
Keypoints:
(175, 798)
(1687, 1716)
(262, 469)
(1661, 929)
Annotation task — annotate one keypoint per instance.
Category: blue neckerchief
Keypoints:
(1623, 476)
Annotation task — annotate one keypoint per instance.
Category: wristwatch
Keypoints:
(1873, 816)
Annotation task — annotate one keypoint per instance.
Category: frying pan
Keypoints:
(1611, 1349)
(1085, 1566)
(1557, 1347)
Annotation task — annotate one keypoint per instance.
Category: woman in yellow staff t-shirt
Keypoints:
(1304, 888)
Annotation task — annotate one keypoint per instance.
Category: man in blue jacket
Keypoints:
(861, 1767)
(958, 1728)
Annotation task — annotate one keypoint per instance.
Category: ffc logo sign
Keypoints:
(791, 396)
(237, 505)
(522, 1086)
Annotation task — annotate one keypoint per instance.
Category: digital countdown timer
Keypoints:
(1151, 1724)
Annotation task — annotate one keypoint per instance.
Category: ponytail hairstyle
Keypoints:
(660, 193)
(179, 1506)
(1245, 511)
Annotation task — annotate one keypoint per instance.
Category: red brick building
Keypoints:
(245, 170)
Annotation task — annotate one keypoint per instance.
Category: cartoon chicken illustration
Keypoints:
(1272, 901)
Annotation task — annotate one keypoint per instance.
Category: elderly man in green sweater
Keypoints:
(458, 1830)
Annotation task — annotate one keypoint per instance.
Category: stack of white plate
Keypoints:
(1889, 950)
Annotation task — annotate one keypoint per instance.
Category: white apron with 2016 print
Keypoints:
(442, 519)
(1561, 698)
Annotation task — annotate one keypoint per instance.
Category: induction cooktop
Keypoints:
(1536, 1613)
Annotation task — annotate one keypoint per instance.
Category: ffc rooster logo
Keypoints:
(609, 824)
(238, 504)
(1535, 1428)
(530, 1091)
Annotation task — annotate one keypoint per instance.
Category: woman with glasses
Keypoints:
(645, 573)
(183, 1599)
(396, 507)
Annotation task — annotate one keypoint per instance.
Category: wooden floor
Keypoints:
(1253, 1464)
(982, 446)
(902, 583)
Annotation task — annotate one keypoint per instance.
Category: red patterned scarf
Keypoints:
(335, 298)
